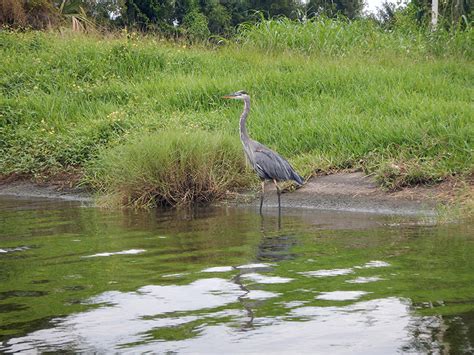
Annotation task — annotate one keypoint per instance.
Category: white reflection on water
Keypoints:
(374, 263)
(219, 269)
(327, 273)
(263, 279)
(241, 267)
(175, 275)
(341, 295)
(339, 272)
(126, 321)
(260, 295)
(294, 304)
(126, 316)
(255, 266)
(123, 252)
(9, 250)
(364, 280)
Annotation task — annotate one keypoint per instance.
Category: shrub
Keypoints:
(169, 169)
(37, 14)
(196, 27)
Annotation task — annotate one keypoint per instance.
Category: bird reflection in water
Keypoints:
(273, 248)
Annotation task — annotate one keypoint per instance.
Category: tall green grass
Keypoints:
(170, 169)
(404, 115)
(343, 37)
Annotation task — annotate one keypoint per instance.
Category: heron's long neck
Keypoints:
(243, 119)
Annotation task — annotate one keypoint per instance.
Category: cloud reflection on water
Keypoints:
(131, 321)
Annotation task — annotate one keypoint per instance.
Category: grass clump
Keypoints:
(396, 175)
(169, 168)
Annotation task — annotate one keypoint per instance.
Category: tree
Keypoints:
(104, 12)
(451, 12)
(38, 14)
(238, 10)
(333, 8)
(149, 14)
(183, 7)
(195, 26)
(217, 15)
(287, 8)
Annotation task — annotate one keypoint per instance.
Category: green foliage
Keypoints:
(452, 13)
(407, 173)
(347, 102)
(170, 168)
(167, 17)
(271, 9)
(218, 16)
(195, 27)
(348, 8)
(149, 14)
(339, 37)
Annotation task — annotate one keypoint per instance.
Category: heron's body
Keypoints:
(268, 164)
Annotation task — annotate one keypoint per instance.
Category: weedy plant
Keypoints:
(169, 168)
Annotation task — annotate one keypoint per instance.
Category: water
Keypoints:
(224, 280)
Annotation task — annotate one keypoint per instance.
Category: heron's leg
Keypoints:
(278, 193)
(261, 196)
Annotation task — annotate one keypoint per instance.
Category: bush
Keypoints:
(37, 14)
(12, 13)
(196, 27)
(169, 169)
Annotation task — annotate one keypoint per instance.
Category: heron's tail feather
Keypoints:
(296, 177)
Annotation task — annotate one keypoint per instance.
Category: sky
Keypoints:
(371, 5)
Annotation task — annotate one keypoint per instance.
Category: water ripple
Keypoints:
(341, 295)
(255, 277)
(327, 273)
(123, 252)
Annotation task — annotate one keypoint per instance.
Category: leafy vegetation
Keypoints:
(326, 94)
(326, 36)
(173, 19)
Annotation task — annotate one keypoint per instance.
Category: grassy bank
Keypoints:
(403, 112)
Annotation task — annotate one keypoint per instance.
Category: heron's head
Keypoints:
(239, 95)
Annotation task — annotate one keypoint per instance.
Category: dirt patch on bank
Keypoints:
(360, 193)
(62, 187)
(354, 192)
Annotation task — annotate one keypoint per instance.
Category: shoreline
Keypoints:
(29, 189)
(355, 192)
(351, 192)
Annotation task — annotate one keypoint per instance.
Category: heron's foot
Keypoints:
(289, 186)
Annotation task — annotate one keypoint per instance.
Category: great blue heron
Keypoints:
(268, 164)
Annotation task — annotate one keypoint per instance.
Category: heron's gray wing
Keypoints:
(271, 165)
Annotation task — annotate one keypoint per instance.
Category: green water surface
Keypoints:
(75, 278)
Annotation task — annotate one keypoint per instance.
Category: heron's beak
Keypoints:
(228, 97)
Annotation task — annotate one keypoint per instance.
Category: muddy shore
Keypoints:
(353, 192)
